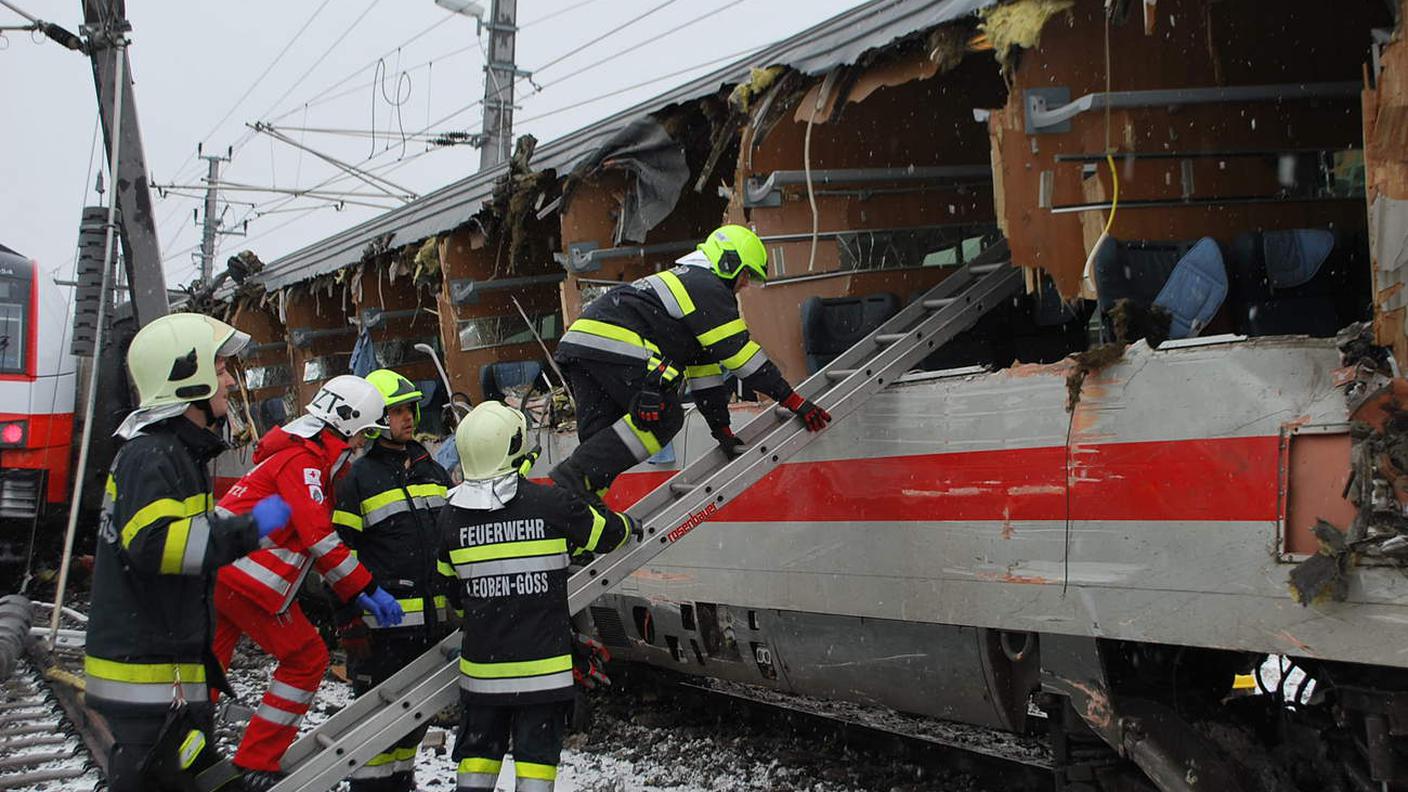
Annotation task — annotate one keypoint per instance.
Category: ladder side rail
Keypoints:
(368, 704)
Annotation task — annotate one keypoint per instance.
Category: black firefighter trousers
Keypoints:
(611, 441)
(533, 732)
(392, 770)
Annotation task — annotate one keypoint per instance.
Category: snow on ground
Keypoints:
(639, 743)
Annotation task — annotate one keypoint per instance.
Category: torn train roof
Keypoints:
(839, 40)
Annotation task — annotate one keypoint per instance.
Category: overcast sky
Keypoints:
(192, 62)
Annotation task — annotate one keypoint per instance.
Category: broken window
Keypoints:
(935, 246)
(494, 331)
(321, 368)
(267, 377)
(399, 350)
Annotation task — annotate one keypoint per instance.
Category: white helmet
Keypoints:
(172, 358)
(491, 440)
(349, 405)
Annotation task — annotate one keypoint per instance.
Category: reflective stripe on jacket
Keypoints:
(298, 469)
(158, 549)
(511, 566)
(686, 315)
(387, 507)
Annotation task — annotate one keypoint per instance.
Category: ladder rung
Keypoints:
(983, 269)
(681, 487)
(782, 412)
(939, 302)
(323, 739)
(840, 374)
(385, 695)
(889, 338)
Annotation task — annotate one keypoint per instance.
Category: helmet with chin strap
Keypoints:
(348, 405)
(395, 389)
(172, 359)
(732, 249)
(492, 441)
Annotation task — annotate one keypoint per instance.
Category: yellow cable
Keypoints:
(1115, 200)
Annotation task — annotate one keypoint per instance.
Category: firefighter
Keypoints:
(507, 540)
(158, 549)
(255, 596)
(625, 356)
(386, 512)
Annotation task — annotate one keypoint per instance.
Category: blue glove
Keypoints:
(270, 515)
(383, 607)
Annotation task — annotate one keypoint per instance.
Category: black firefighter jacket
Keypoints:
(687, 316)
(158, 549)
(511, 563)
(386, 512)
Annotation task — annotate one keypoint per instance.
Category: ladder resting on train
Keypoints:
(349, 739)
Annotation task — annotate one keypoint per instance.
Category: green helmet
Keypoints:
(396, 389)
(492, 441)
(172, 359)
(731, 248)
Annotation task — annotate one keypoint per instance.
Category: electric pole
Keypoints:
(499, 74)
(106, 27)
(211, 221)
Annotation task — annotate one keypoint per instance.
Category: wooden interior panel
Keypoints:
(1317, 471)
(1195, 44)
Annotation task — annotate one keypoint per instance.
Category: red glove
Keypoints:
(589, 662)
(813, 416)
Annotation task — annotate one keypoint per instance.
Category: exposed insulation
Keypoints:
(759, 81)
(1019, 24)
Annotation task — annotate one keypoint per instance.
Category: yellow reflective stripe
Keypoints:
(519, 668)
(441, 601)
(411, 604)
(347, 519)
(725, 330)
(175, 547)
(598, 523)
(615, 333)
(381, 759)
(110, 487)
(162, 508)
(707, 370)
(191, 748)
(671, 373)
(648, 439)
(737, 359)
(142, 672)
(478, 765)
(672, 281)
(377, 501)
(537, 547)
(426, 490)
(541, 772)
(444, 568)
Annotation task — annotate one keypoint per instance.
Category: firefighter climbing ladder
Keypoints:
(348, 740)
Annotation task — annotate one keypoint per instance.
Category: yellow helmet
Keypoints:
(395, 389)
(732, 248)
(492, 441)
(172, 359)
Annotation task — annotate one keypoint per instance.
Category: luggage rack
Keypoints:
(349, 739)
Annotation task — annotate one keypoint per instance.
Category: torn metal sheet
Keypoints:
(645, 150)
(1388, 241)
(843, 38)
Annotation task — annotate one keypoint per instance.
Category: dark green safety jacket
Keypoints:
(386, 512)
(158, 549)
(511, 564)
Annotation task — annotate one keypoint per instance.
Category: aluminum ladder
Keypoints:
(350, 738)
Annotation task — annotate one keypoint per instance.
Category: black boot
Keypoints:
(570, 477)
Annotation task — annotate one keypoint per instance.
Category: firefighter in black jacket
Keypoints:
(159, 544)
(507, 540)
(386, 512)
(625, 356)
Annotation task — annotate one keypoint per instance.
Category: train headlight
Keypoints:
(12, 434)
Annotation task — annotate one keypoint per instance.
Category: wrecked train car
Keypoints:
(1174, 454)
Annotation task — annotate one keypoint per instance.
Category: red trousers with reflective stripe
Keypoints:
(303, 660)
